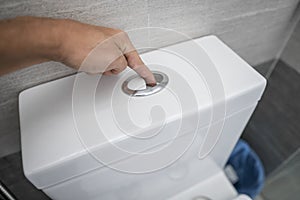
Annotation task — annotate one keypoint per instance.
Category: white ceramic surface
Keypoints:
(68, 126)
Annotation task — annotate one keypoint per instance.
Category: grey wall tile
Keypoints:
(264, 67)
(187, 17)
(291, 52)
(111, 13)
(235, 8)
(256, 37)
(10, 142)
(28, 77)
(254, 29)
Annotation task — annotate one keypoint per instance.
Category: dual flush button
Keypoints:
(135, 86)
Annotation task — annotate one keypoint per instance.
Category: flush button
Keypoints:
(138, 83)
(135, 86)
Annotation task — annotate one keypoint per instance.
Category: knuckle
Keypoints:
(123, 62)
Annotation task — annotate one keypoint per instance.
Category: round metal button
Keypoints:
(161, 81)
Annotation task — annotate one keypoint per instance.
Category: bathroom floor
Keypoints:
(271, 131)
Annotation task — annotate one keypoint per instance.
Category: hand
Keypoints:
(96, 49)
(27, 41)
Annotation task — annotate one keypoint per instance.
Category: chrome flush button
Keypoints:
(161, 81)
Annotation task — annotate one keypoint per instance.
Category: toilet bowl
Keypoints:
(92, 137)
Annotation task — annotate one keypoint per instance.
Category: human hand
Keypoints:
(96, 49)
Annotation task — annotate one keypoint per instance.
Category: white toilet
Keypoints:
(116, 139)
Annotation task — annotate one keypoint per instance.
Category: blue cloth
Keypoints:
(248, 168)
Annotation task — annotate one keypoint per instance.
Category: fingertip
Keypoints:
(107, 73)
(136, 63)
(151, 84)
(150, 80)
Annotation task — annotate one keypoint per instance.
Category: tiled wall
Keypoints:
(290, 54)
(253, 28)
(273, 130)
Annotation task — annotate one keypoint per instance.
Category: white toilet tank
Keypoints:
(92, 137)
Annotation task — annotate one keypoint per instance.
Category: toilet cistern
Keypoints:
(78, 151)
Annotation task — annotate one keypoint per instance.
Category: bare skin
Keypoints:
(26, 41)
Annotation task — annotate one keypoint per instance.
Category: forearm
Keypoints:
(25, 41)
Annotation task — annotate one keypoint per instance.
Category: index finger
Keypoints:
(135, 62)
(133, 59)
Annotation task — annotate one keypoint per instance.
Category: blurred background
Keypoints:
(266, 33)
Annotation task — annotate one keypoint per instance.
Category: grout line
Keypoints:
(256, 12)
(286, 40)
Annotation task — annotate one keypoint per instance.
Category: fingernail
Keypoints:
(151, 84)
